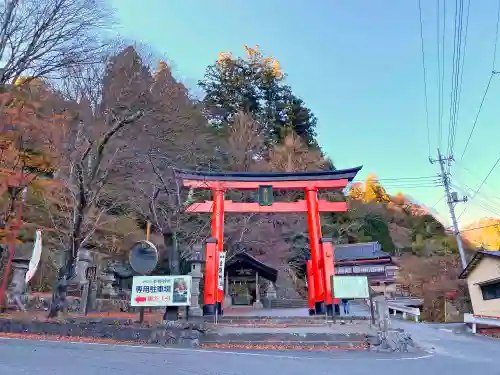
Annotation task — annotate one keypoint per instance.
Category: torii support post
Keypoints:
(310, 182)
(310, 287)
(329, 272)
(209, 293)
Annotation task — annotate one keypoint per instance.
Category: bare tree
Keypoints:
(42, 38)
(99, 135)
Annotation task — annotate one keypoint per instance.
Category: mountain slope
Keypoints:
(484, 233)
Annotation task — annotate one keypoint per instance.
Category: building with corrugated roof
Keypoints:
(367, 259)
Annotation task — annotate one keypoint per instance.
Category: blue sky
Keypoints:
(358, 66)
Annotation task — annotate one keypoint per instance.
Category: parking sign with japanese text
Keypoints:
(161, 291)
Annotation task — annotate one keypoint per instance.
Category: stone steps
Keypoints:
(289, 303)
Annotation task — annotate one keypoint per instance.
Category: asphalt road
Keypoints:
(449, 353)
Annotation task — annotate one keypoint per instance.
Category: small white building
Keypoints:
(483, 280)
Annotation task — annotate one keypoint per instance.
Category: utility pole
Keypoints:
(452, 199)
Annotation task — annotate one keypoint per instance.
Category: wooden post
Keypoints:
(257, 292)
(148, 235)
(372, 312)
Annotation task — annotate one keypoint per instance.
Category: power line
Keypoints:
(439, 201)
(478, 113)
(425, 78)
(409, 178)
(413, 178)
(493, 72)
(440, 59)
(484, 204)
(482, 227)
(482, 183)
(457, 53)
(459, 75)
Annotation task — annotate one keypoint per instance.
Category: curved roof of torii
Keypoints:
(338, 174)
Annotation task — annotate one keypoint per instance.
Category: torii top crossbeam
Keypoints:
(222, 181)
(328, 179)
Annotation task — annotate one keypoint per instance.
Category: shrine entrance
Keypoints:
(321, 264)
(246, 280)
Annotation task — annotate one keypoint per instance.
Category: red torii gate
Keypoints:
(321, 266)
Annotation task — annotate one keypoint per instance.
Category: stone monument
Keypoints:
(84, 261)
(17, 287)
(196, 261)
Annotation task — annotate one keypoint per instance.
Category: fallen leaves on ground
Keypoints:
(91, 340)
(282, 347)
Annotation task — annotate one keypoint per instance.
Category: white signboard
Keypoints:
(220, 272)
(350, 287)
(161, 291)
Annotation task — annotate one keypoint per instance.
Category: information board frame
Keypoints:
(350, 287)
(161, 291)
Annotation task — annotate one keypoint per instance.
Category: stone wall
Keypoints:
(41, 302)
(185, 334)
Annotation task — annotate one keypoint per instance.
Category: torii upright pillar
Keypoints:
(218, 234)
(317, 260)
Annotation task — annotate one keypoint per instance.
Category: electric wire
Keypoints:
(459, 77)
(456, 65)
(485, 204)
(440, 63)
(481, 227)
(425, 79)
(482, 184)
(493, 72)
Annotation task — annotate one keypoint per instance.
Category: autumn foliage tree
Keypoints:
(27, 145)
(432, 278)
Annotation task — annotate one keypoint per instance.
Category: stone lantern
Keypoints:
(196, 262)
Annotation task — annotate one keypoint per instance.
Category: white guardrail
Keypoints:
(481, 319)
(405, 310)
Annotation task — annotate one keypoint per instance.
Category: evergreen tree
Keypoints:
(255, 85)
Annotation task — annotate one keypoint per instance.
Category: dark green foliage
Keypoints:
(376, 228)
(243, 85)
(427, 227)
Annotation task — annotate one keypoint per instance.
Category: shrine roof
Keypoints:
(267, 272)
(339, 174)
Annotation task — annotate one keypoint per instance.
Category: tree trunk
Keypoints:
(170, 239)
(60, 290)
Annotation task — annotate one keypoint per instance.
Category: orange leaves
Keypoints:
(371, 192)
(254, 57)
(298, 346)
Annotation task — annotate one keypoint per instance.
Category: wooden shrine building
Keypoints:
(247, 279)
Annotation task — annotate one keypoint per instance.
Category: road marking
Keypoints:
(446, 330)
(207, 351)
